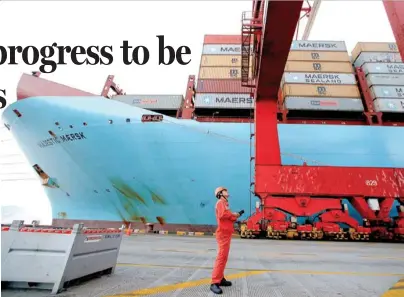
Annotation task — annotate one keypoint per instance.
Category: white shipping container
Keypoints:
(319, 78)
(225, 100)
(333, 104)
(389, 105)
(297, 45)
(316, 45)
(383, 68)
(378, 92)
(385, 79)
(154, 102)
(367, 57)
(222, 49)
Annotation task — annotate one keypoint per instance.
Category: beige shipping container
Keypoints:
(388, 47)
(222, 61)
(305, 90)
(220, 73)
(332, 67)
(318, 56)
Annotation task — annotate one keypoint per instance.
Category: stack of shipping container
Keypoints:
(319, 76)
(219, 80)
(165, 104)
(384, 70)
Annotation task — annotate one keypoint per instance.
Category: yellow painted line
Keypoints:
(400, 283)
(185, 285)
(396, 291)
(305, 272)
(174, 266)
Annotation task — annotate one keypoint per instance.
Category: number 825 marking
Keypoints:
(371, 182)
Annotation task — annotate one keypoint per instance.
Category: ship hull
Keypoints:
(105, 169)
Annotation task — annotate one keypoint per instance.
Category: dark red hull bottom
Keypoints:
(66, 223)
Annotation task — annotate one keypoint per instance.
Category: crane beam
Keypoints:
(395, 14)
(312, 17)
(281, 18)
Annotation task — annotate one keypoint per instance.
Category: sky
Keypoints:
(109, 23)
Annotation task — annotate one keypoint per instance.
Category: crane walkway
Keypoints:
(153, 265)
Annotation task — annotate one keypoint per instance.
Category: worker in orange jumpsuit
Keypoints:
(225, 221)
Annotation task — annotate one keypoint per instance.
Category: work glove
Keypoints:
(241, 212)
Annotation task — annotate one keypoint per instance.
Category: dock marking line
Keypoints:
(397, 290)
(287, 271)
(184, 285)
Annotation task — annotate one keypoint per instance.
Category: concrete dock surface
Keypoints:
(165, 265)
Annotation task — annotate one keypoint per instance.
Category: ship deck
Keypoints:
(169, 265)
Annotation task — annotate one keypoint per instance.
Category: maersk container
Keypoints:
(318, 78)
(383, 68)
(389, 47)
(221, 49)
(222, 60)
(385, 79)
(305, 90)
(222, 39)
(379, 92)
(318, 56)
(221, 86)
(389, 105)
(220, 100)
(316, 45)
(367, 57)
(221, 73)
(167, 102)
(329, 103)
(310, 66)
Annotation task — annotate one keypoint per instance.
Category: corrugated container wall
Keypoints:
(385, 79)
(379, 92)
(220, 73)
(221, 49)
(389, 47)
(384, 70)
(377, 57)
(334, 67)
(222, 39)
(221, 60)
(347, 91)
(318, 78)
(344, 104)
(311, 45)
(221, 86)
(389, 105)
(233, 101)
(168, 102)
(318, 56)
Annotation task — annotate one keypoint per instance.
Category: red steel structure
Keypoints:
(308, 190)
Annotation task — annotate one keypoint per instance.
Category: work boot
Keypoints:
(225, 283)
(216, 289)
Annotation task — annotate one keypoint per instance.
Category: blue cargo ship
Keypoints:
(100, 164)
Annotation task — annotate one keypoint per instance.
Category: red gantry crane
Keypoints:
(305, 191)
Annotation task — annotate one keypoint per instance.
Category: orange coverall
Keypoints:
(225, 220)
